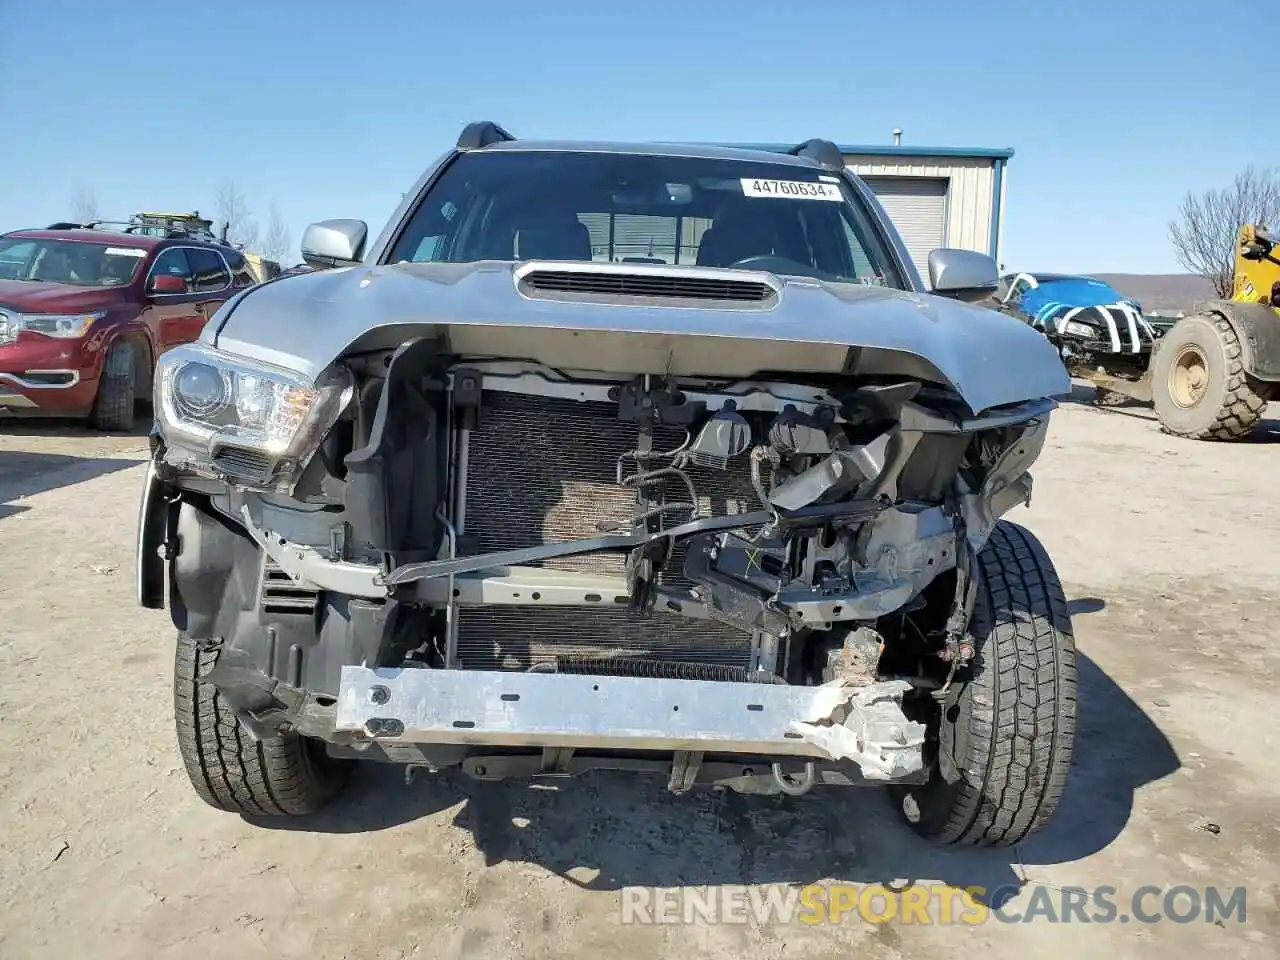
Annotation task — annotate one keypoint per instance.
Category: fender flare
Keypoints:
(157, 532)
(1258, 328)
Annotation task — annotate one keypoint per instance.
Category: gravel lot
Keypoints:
(1169, 552)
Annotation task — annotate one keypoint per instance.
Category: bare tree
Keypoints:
(277, 245)
(237, 219)
(1204, 235)
(84, 205)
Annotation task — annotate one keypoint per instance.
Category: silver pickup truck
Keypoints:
(610, 456)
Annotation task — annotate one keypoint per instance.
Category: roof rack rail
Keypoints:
(481, 134)
(66, 225)
(826, 153)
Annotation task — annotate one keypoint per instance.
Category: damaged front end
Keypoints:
(443, 560)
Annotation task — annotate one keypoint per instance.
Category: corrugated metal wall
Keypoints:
(918, 208)
(968, 196)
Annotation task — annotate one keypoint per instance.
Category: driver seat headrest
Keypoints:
(737, 232)
(561, 236)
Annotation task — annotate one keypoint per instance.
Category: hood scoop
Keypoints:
(647, 284)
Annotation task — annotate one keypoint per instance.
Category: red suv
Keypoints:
(85, 313)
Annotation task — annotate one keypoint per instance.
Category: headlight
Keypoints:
(226, 415)
(65, 326)
(1073, 329)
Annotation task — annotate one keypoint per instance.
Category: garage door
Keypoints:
(918, 208)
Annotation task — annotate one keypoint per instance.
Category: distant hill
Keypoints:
(1157, 291)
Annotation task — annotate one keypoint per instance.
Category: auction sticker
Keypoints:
(125, 252)
(790, 189)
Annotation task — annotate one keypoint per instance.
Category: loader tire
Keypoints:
(1010, 725)
(1199, 385)
(113, 404)
(284, 775)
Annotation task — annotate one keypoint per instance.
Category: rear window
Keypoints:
(625, 208)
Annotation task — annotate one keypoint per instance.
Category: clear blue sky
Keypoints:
(327, 109)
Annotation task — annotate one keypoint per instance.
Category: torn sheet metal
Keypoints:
(866, 725)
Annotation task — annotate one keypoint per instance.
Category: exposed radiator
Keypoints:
(545, 470)
(515, 638)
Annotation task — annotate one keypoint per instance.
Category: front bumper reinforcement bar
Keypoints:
(864, 724)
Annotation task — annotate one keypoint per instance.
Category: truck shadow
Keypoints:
(608, 831)
(24, 474)
(72, 426)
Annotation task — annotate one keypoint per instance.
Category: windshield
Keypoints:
(625, 208)
(77, 262)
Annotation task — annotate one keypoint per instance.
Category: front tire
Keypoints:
(1011, 725)
(113, 405)
(284, 775)
(1199, 385)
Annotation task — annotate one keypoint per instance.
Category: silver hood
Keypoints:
(305, 322)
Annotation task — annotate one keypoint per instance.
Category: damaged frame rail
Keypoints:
(864, 724)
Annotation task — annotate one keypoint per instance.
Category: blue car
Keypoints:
(1096, 328)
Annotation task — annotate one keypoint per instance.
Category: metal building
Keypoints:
(936, 196)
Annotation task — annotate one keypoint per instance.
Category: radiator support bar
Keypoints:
(807, 516)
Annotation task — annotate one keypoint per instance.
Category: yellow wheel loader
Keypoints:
(1214, 371)
(262, 268)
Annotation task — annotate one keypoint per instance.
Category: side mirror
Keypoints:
(163, 283)
(962, 274)
(334, 243)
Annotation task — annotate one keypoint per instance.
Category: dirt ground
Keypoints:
(1169, 552)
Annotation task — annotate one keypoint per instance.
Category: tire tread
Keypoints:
(227, 767)
(1023, 702)
(113, 406)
